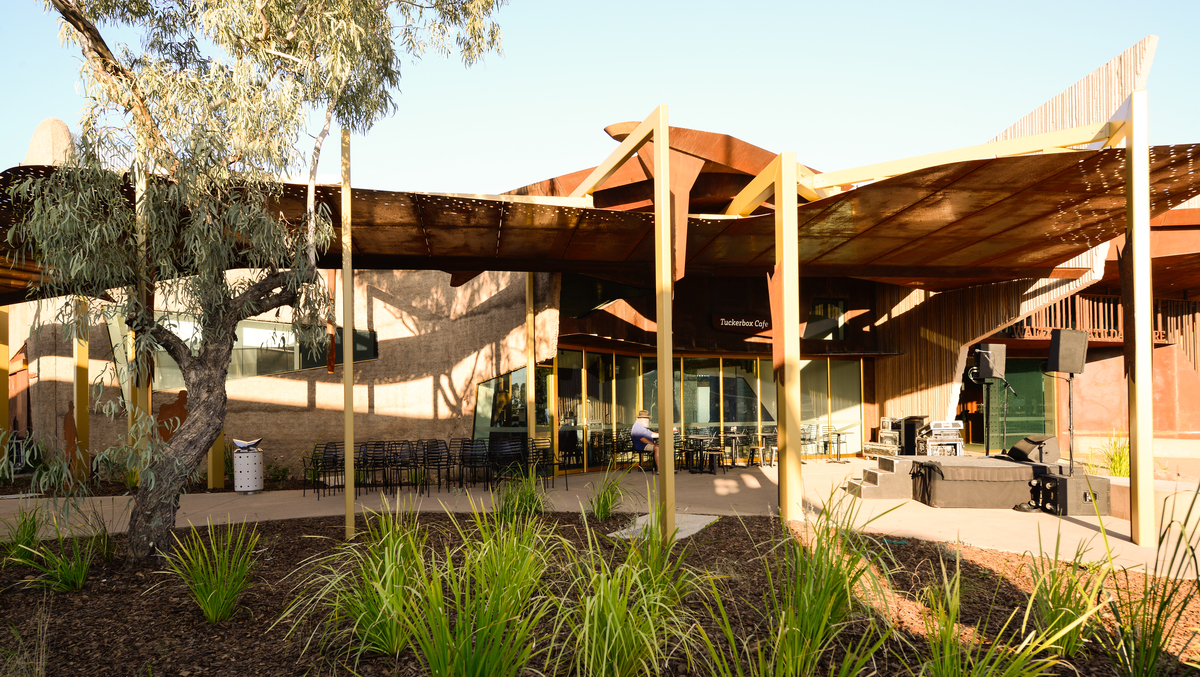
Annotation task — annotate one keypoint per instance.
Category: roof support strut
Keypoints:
(1139, 343)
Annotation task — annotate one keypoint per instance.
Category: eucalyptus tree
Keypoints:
(174, 182)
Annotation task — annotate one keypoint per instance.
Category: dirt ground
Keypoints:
(141, 622)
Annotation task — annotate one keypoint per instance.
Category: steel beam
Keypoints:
(1139, 289)
(1076, 136)
(628, 147)
(787, 261)
(347, 334)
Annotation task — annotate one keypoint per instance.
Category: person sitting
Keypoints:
(643, 437)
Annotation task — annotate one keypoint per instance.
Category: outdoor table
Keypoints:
(710, 460)
(690, 449)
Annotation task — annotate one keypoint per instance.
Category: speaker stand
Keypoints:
(987, 417)
(1071, 422)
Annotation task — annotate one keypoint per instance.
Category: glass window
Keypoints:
(260, 348)
(740, 379)
(627, 389)
(767, 392)
(1027, 409)
(650, 389)
(702, 392)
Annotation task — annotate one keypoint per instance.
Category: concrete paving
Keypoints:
(740, 491)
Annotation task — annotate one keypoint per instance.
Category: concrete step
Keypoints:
(854, 487)
(890, 480)
(895, 464)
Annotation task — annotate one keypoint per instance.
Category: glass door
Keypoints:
(845, 411)
(600, 423)
(571, 411)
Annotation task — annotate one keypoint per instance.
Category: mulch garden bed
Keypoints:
(141, 622)
(21, 485)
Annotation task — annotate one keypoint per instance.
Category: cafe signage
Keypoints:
(759, 325)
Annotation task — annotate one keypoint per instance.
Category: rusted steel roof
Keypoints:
(938, 228)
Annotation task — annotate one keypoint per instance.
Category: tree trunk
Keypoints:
(152, 515)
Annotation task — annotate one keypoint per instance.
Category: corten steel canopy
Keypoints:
(937, 228)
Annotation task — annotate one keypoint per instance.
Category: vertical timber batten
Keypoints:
(530, 358)
(347, 335)
(1140, 373)
(787, 260)
(664, 292)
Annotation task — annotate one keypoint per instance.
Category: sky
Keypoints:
(841, 84)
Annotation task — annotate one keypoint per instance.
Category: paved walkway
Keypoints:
(741, 491)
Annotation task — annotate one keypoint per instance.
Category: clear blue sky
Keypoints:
(839, 83)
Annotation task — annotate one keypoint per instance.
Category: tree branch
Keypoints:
(175, 347)
(260, 297)
(122, 84)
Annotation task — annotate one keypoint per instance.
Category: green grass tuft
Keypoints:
(216, 571)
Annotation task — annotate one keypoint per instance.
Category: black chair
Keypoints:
(436, 460)
(474, 461)
(326, 470)
(508, 460)
(600, 448)
(403, 465)
(371, 463)
(541, 460)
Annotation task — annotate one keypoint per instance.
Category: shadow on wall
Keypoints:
(933, 330)
(436, 343)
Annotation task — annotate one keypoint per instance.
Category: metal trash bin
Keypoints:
(247, 468)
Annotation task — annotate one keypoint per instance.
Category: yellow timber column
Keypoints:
(530, 357)
(787, 258)
(1141, 372)
(6, 422)
(664, 288)
(347, 334)
(216, 462)
(80, 393)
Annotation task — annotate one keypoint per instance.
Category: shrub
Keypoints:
(950, 655)
(1061, 596)
(521, 497)
(28, 659)
(607, 497)
(1145, 619)
(1114, 454)
(216, 571)
(62, 569)
(475, 612)
(362, 589)
(22, 534)
(625, 623)
(814, 585)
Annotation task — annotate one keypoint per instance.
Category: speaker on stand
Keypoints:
(1068, 355)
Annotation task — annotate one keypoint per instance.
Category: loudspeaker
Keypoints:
(1068, 351)
(990, 359)
(1036, 448)
(1080, 495)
